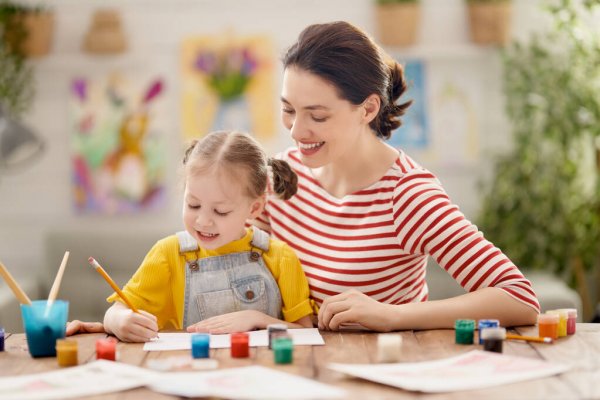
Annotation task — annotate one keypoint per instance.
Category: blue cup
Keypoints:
(43, 325)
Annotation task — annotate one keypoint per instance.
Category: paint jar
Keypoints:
(240, 345)
(389, 346)
(486, 323)
(283, 349)
(1, 339)
(200, 345)
(66, 352)
(106, 349)
(43, 324)
(571, 320)
(493, 338)
(465, 329)
(563, 316)
(548, 325)
(273, 329)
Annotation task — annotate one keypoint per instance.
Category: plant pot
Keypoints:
(490, 22)
(32, 34)
(398, 23)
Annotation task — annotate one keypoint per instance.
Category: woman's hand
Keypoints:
(130, 326)
(76, 326)
(239, 321)
(354, 307)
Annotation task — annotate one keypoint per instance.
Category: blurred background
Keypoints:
(99, 98)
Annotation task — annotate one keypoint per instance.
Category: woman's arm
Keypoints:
(355, 307)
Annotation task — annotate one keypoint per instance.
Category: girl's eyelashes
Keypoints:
(193, 206)
(222, 214)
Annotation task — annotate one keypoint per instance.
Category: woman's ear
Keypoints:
(371, 107)
(257, 206)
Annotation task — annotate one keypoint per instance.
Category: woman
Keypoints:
(366, 216)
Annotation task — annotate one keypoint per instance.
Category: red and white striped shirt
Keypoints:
(377, 240)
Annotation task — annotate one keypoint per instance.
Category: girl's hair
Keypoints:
(347, 57)
(241, 156)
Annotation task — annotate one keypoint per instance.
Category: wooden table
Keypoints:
(581, 382)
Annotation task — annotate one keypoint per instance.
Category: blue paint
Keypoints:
(1, 339)
(486, 323)
(42, 327)
(200, 345)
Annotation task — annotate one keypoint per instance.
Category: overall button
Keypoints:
(249, 294)
(254, 256)
(194, 266)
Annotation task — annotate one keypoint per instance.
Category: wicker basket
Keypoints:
(398, 23)
(105, 35)
(32, 33)
(490, 22)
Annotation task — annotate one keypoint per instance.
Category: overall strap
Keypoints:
(260, 239)
(186, 242)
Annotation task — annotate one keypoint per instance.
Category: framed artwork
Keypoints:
(118, 156)
(228, 84)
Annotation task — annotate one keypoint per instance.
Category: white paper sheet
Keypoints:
(473, 370)
(246, 383)
(97, 377)
(182, 341)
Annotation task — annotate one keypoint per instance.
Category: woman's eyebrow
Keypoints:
(311, 107)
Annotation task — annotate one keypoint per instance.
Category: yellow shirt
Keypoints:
(158, 286)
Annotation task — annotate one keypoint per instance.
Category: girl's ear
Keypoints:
(257, 206)
(371, 107)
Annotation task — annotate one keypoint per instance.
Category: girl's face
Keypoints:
(216, 207)
(324, 126)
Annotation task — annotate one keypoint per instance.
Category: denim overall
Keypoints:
(231, 282)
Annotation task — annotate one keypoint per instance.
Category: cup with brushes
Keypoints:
(44, 321)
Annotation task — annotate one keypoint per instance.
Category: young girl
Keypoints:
(218, 276)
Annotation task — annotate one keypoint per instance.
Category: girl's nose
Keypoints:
(203, 219)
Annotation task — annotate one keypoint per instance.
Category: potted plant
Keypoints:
(489, 21)
(27, 30)
(397, 21)
(542, 206)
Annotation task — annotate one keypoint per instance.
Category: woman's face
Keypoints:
(324, 126)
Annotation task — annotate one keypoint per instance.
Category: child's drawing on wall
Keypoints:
(118, 154)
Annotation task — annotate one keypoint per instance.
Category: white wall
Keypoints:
(38, 198)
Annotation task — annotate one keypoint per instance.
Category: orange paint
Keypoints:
(548, 325)
(66, 352)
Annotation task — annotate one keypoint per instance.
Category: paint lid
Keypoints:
(548, 318)
(560, 312)
(571, 312)
(200, 338)
(497, 333)
(464, 324)
(66, 344)
(488, 323)
(276, 327)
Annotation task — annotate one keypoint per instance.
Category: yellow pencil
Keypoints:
(538, 339)
(112, 283)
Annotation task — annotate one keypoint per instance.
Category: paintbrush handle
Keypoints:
(112, 283)
(19, 293)
(58, 278)
(538, 339)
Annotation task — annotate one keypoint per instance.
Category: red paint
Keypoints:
(240, 345)
(106, 349)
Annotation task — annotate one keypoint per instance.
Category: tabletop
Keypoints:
(581, 350)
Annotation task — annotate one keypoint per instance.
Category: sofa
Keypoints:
(120, 254)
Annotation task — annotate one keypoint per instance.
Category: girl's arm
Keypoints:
(130, 326)
(355, 307)
(243, 321)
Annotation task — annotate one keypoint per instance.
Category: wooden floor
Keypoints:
(582, 350)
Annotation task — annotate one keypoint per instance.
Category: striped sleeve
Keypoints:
(426, 222)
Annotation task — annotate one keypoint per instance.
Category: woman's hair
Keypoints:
(347, 57)
(239, 155)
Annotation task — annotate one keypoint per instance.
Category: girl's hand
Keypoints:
(354, 307)
(76, 326)
(239, 321)
(130, 326)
